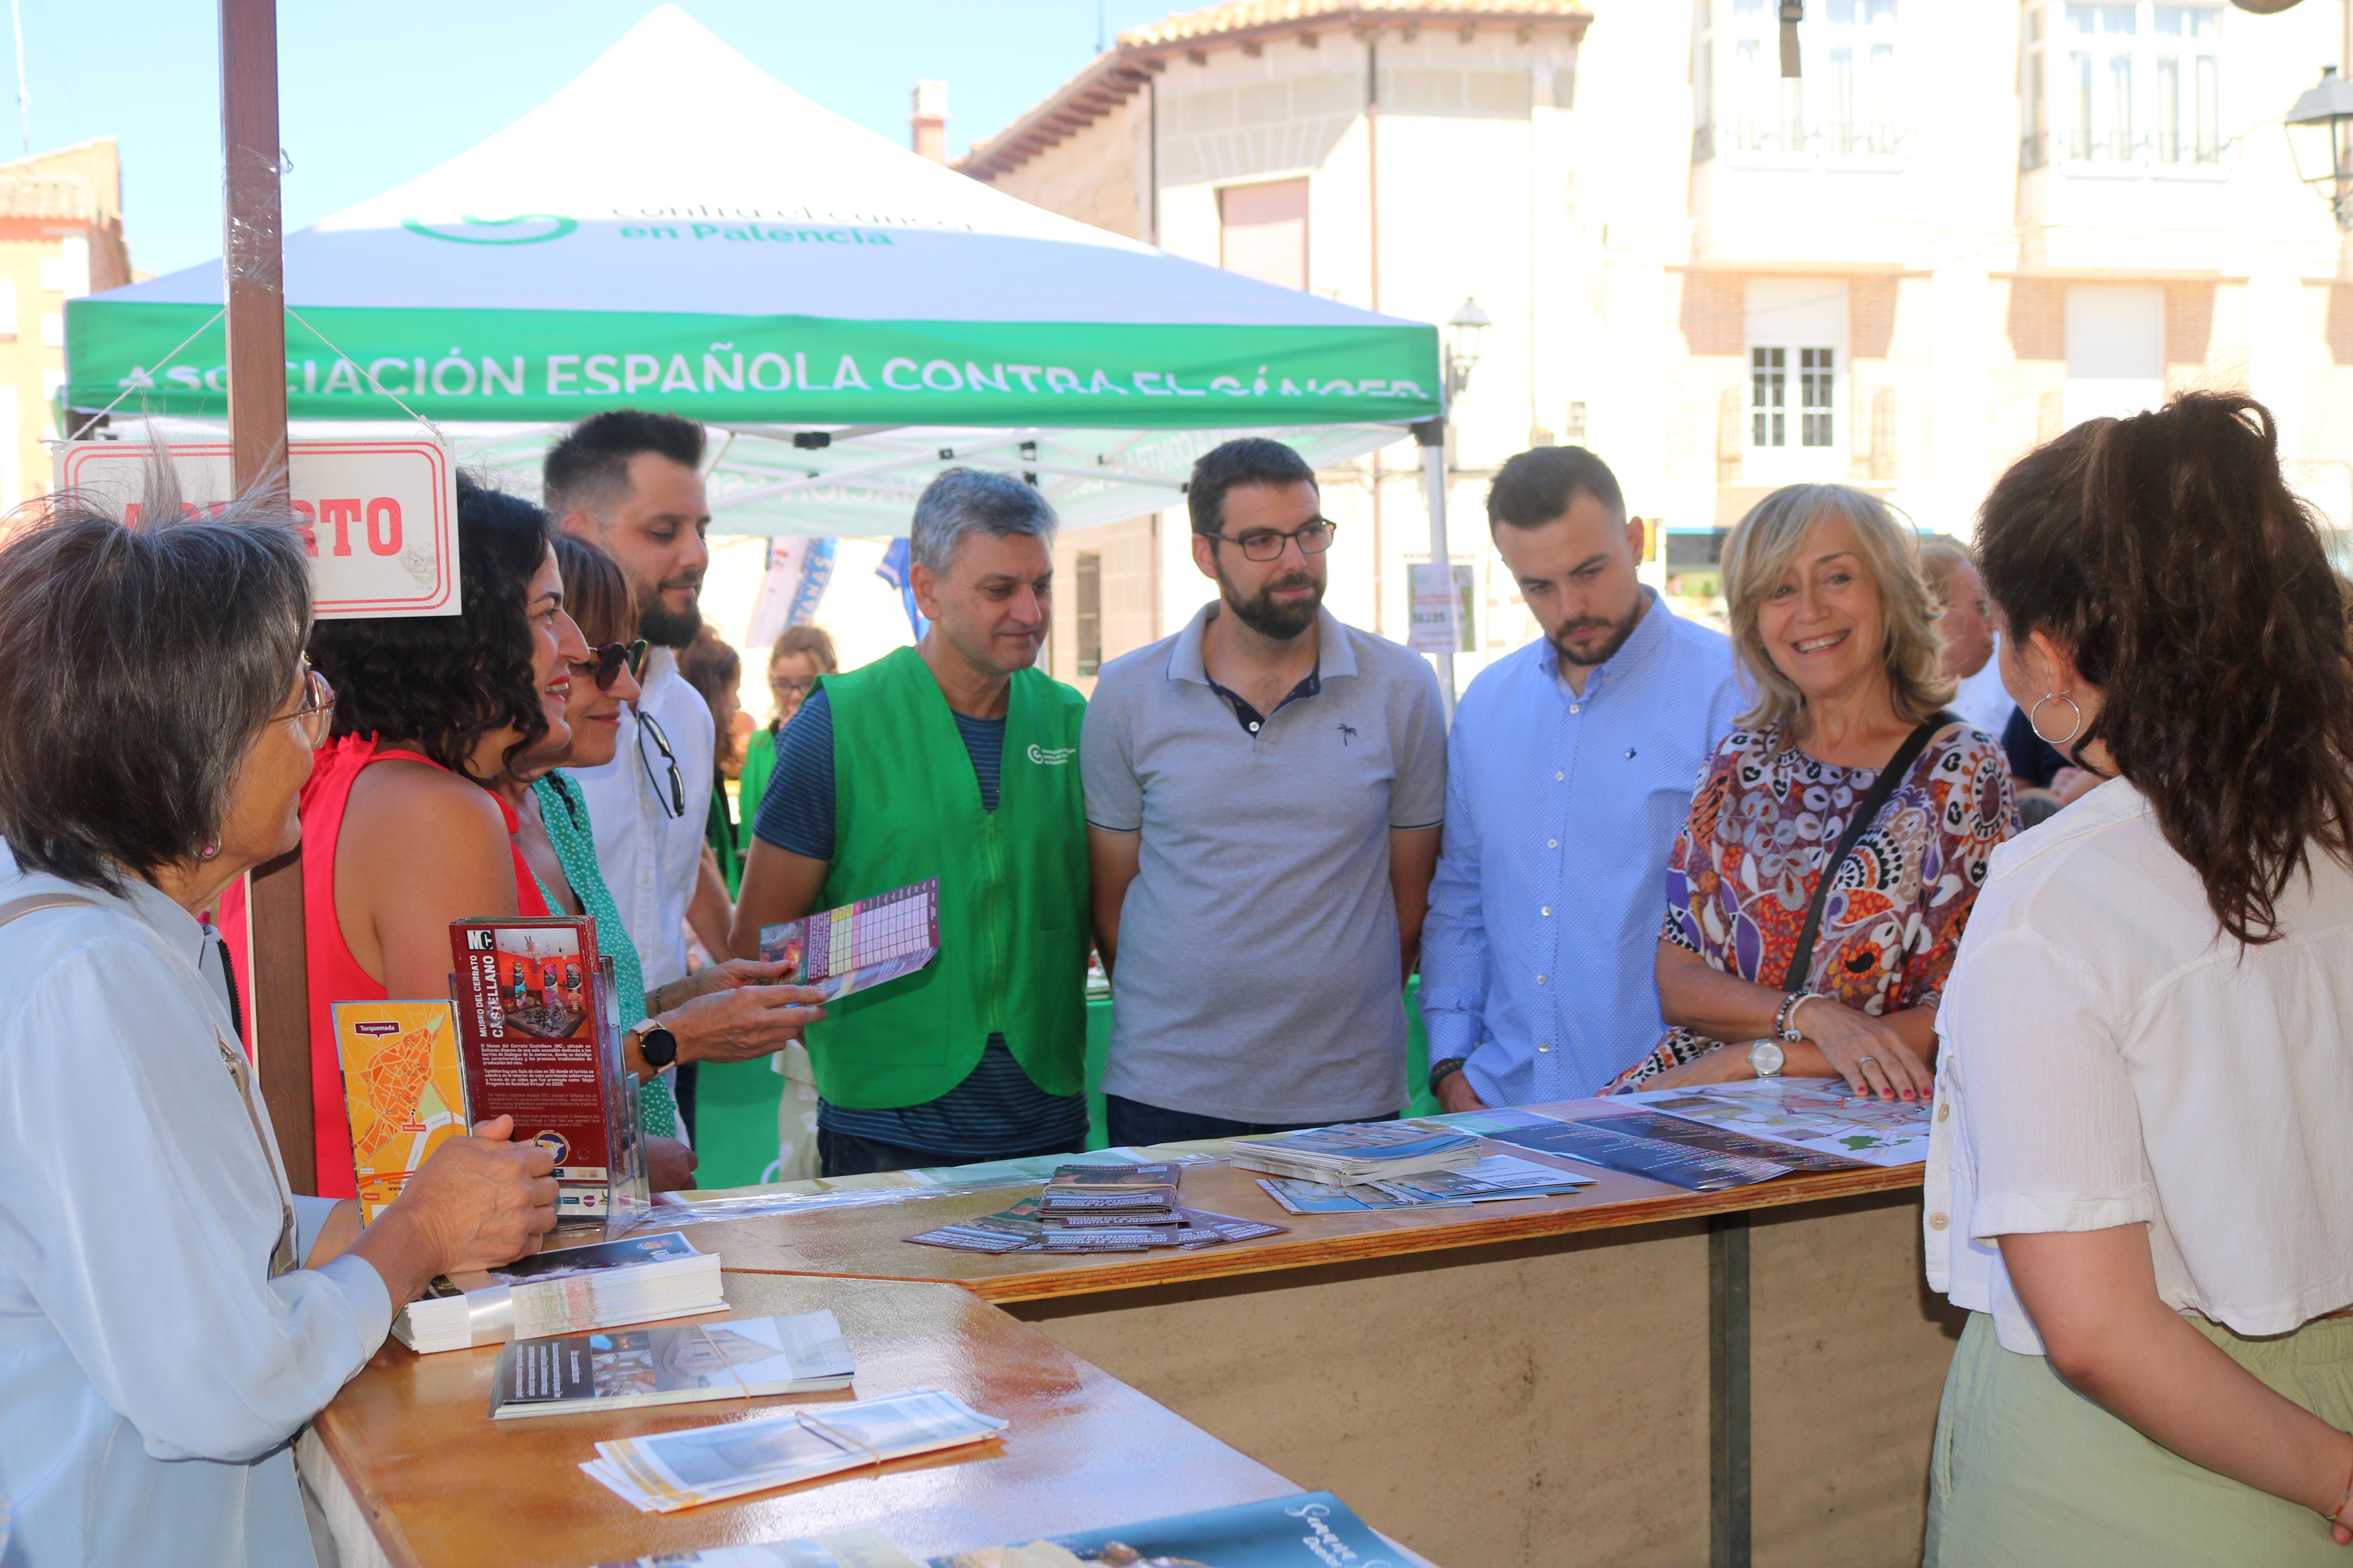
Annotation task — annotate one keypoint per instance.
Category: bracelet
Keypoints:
(2344, 1502)
(1785, 1020)
(1440, 1071)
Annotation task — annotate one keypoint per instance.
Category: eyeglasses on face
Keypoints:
(1314, 538)
(314, 713)
(603, 664)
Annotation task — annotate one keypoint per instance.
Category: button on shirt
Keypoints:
(1538, 955)
(2108, 1059)
(652, 859)
(151, 1369)
(1257, 977)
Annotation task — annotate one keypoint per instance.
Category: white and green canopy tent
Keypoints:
(676, 229)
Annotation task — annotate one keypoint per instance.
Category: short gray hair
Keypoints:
(963, 500)
(137, 665)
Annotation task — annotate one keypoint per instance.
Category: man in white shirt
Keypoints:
(1967, 632)
(630, 482)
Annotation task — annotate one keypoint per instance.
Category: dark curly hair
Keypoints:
(2168, 554)
(444, 681)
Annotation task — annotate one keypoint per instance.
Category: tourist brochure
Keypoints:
(664, 1471)
(1644, 1122)
(1493, 1178)
(1598, 1140)
(539, 1034)
(572, 1291)
(1310, 1530)
(1018, 1229)
(404, 1089)
(860, 944)
(625, 1369)
(1091, 1191)
(1822, 1115)
(1357, 1152)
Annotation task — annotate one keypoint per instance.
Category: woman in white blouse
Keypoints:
(2141, 1183)
(170, 1314)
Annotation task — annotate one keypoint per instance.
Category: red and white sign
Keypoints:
(380, 518)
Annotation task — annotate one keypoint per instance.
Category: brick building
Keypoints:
(1962, 229)
(60, 236)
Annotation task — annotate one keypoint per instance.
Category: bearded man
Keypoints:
(1264, 795)
(1569, 770)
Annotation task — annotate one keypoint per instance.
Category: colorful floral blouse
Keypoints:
(1765, 817)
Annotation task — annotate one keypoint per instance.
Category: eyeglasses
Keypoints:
(799, 686)
(315, 713)
(673, 804)
(603, 664)
(1314, 538)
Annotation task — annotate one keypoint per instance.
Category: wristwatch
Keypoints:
(1441, 1070)
(1765, 1058)
(657, 1045)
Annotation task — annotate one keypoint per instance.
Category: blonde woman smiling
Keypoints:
(1818, 892)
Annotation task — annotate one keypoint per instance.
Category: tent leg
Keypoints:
(1431, 434)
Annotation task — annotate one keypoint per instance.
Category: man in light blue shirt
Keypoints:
(1569, 772)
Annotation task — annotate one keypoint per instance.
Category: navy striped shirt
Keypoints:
(997, 1109)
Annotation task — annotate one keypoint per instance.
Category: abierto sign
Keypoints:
(379, 517)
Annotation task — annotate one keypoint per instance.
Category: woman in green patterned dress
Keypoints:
(726, 1012)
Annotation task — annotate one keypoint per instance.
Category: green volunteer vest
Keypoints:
(1013, 887)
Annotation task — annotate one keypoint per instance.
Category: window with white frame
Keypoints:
(2140, 86)
(1796, 330)
(1846, 105)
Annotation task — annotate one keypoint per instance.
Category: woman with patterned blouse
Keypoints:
(1836, 635)
(723, 1012)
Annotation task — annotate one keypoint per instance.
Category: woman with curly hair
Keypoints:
(1817, 895)
(402, 833)
(2139, 1179)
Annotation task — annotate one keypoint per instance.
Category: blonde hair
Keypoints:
(1760, 551)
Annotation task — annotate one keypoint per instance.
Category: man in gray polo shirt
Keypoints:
(1263, 792)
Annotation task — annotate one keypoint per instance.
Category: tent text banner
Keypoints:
(379, 517)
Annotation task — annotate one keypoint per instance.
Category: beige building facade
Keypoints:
(1963, 228)
(60, 237)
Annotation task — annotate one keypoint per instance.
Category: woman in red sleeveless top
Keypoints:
(401, 833)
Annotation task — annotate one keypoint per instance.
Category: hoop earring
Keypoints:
(208, 852)
(2072, 730)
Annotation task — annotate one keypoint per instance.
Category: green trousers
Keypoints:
(2026, 1471)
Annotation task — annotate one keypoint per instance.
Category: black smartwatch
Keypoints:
(658, 1046)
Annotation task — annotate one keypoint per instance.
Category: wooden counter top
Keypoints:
(868, 1242)
(444, 1484)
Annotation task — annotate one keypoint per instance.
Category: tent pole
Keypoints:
(253, 270)
(1431, 434)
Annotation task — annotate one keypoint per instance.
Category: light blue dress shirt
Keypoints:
(152, 1371)
(1561, 808)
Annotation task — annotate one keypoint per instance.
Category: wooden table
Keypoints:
(415, 1473)
(1529, 1385)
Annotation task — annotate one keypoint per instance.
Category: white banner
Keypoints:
(379, 517)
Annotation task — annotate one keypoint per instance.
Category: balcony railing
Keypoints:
(2121, 154)
(1874, 141)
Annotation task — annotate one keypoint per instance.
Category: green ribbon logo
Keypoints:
(540, 227)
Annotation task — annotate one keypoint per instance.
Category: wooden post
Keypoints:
(253, 272)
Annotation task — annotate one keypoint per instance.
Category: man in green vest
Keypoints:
(956, 759)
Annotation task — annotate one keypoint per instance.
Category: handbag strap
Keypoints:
(1866, 812)
(33, 902)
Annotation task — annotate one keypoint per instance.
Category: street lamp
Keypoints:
(1464, 333)
(2320, 138)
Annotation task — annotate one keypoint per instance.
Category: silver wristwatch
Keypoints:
(1765, 1058)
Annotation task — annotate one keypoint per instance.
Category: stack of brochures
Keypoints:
(1310, 1530)
(1369, 1152)
(665, 1472)
(1020, 1229)
(624, 1369)
(1108, 1208)
(610, 1283)
(1496, 1178)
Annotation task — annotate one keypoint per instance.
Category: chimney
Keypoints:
(927, 126)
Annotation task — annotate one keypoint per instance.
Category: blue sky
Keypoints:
(372, 93)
